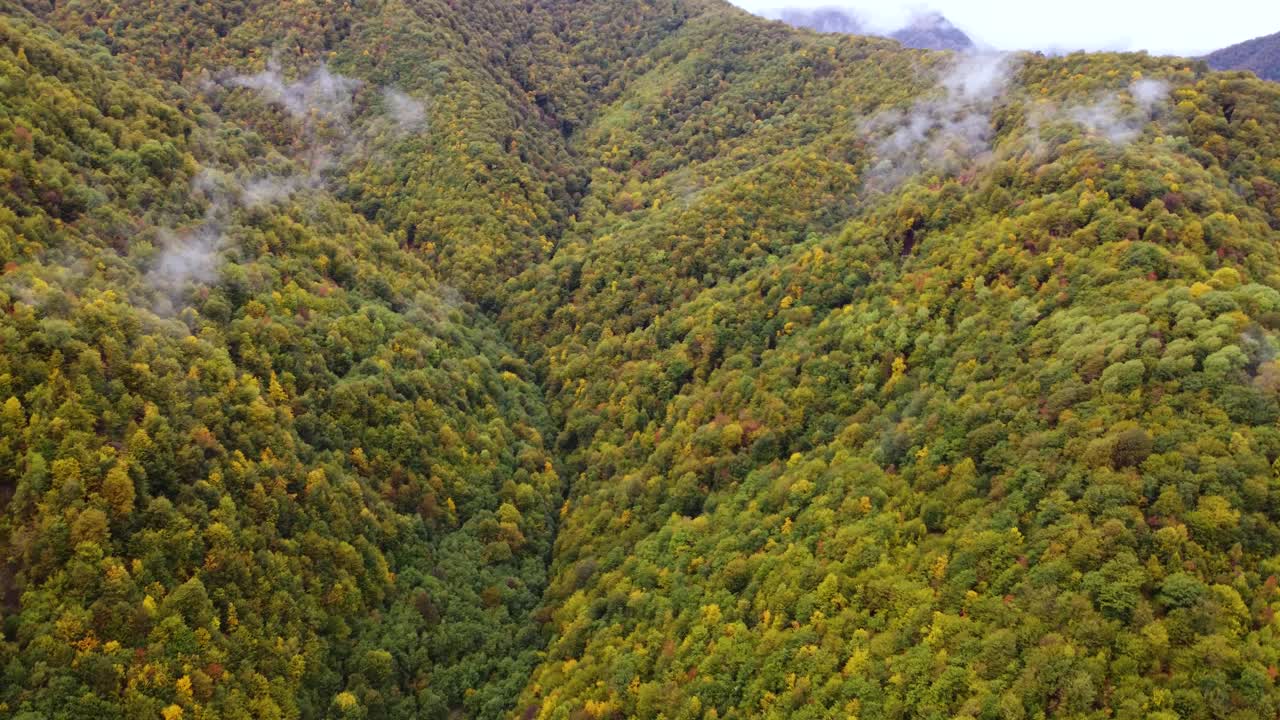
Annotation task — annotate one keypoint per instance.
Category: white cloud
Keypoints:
(943, 132)
(408, 113)
(320, 95)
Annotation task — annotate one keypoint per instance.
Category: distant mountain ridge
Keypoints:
(925, 31)
(825, 20)
(1261, 55)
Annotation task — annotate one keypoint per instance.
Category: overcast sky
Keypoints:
(1184, 27)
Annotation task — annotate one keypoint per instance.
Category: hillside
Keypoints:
(1259, 55)
(627, 359)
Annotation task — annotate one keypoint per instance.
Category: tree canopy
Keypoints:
(640, 358)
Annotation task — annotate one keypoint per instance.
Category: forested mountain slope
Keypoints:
(950, 444)
(1261, 55)
(320, 476)
(646, 359)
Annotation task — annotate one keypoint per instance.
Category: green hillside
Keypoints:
(641, 358)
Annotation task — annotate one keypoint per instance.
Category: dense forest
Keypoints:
(627, 358)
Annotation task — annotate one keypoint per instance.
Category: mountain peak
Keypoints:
(926, 30)
(931, 31)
